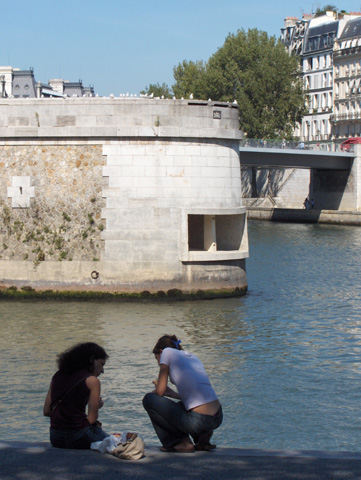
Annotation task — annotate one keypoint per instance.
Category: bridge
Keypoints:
(272, 175)
(322, 157)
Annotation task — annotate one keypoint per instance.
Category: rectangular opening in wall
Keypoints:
(213, 233)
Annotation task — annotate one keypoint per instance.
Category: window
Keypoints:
(324, 101)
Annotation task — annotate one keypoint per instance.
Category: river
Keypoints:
(284, 359)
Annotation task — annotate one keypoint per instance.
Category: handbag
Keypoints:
(131, 449)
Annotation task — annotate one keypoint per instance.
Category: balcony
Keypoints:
(347, 51)
(345, 117)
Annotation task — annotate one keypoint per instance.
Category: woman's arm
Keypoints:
(93, 384)
(161, 386)
(47, 403)
(162, 381)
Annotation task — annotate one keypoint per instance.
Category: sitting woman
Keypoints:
(197, 414)
(73, 387)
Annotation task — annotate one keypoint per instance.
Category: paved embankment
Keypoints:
(39, 461)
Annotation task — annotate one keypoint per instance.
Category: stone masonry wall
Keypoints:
(125, 194)
(153, 186)
(61, 218)
(287, 186)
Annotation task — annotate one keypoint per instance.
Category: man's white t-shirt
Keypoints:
(187, 373)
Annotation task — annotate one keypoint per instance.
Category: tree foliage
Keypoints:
(326, 8)
(256, 71)
(158, 90)
(190, 79)
(253, 69)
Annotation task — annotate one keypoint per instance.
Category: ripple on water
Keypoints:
(284, 359)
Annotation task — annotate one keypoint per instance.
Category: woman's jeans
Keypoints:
(173, 423)
(79, 439)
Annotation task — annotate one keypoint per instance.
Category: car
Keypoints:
(346, 145)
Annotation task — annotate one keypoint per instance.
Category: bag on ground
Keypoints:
(127, 446)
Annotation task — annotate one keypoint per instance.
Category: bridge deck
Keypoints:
(294, 158)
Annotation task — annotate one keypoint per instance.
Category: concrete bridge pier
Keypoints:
(337, 189)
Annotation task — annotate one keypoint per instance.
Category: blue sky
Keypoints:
(122, 46)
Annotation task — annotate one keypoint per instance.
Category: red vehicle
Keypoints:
(346, 145)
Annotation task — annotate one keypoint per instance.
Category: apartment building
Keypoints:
(18, 83)
(329, 65)
(346, 117)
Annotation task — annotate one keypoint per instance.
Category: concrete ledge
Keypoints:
(293, 215)
(117, 117)
(38, 461)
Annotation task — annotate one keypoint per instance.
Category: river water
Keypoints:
(284, 359)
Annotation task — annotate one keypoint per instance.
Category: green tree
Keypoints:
(257, 72)
(158, 90)
(190, 78)
(326, 8)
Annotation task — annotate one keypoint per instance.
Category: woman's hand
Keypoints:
(101, 402)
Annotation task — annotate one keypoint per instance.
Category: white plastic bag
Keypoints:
(106, 445)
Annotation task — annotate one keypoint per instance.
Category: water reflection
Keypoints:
(285, 359)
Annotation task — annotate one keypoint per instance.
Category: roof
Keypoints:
(53, 93)
(321, 37)
(352, 29)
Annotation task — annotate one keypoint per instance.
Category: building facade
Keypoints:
(316, 67)
(22, 84)
(329, 60)
(346, 117)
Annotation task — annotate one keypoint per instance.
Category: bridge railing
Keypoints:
(293, 145)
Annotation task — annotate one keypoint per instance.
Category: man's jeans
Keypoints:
(172, 423)
(79, 439)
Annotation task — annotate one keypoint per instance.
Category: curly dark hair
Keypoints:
(80, 357)
(167, 341)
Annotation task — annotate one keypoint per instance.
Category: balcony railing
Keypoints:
(342, 117)
(347, 51)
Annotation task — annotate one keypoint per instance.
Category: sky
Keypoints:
(122, 46)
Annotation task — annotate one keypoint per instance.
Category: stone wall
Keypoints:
(275, 187)
(60, 218)
(112, 193)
